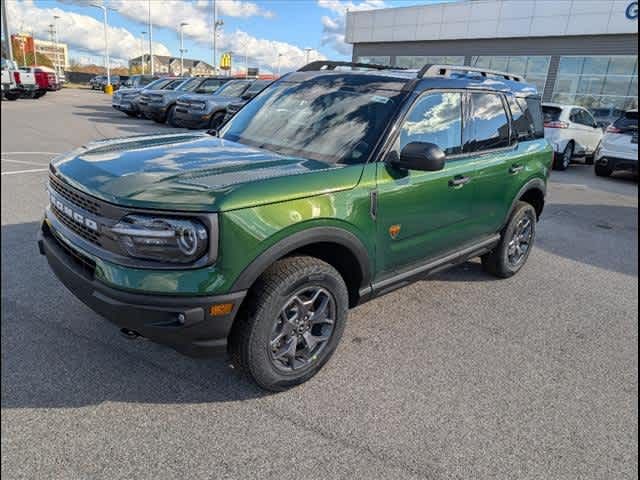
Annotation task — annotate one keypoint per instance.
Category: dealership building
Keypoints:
(576, 51)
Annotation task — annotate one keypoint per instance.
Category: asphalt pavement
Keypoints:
(461, 376)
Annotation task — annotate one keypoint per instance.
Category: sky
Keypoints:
(257, 29)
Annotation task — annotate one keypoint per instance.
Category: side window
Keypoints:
(487, 126)
(210, 86)
(579, 116)
(532, 107)
(523, 128)
(435, 118)
(588, 119)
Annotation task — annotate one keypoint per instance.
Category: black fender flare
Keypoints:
(301, 239)
(533, 184)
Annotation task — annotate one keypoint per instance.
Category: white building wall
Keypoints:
(490, 19)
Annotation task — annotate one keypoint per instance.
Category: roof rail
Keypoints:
(446, 70)
(331, 65)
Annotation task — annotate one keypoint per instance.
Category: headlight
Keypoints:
(166, 239)
(198, 105)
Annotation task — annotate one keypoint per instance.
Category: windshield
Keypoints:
(629, 121)
(232, 89)
(157, 84)
(257, 86)
(316, 120)
(188, 85)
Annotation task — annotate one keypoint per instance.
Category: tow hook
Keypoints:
(129, 334)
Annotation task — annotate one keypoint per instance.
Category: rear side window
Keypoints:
(487, 126)
(551, 114)
(581, 117)
(210, 85)
(629, 121)
(435, 118)
(523, 126)
(532, 108)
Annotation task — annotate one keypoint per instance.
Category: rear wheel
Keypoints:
(12, 96)
(562, 161)
(515, 245)
(293, 323)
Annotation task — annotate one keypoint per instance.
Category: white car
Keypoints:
(619, 147)
(572, 131)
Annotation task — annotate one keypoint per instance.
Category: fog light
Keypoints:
(220, 309)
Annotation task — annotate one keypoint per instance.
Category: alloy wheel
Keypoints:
(520, 241)
(303, 329)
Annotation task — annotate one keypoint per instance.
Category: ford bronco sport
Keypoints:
(336, 184)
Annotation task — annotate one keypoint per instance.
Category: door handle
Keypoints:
(459, 181)
(515, 168)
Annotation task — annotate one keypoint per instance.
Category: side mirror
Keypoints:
(423, 156)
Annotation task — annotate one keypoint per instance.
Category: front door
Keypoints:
(422, 215)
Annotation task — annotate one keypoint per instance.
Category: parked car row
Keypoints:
(27, 82)
(117, 81)
(573, 132)
(196, 102)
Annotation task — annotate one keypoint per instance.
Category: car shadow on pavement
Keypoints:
(57, 353)
(108, 115)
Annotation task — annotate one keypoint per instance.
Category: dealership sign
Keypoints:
(632, 11)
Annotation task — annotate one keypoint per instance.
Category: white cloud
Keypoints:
(333, 27)
(80, 32)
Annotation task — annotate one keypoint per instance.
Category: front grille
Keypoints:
(81, 230)
(75, 197)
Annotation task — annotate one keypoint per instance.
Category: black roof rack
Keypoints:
(331, 65)
(446, 70)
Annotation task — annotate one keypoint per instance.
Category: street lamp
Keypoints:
(182, 50)
(142, 33)
(106, 41)
(217, 24)
(151, 42)
(307, 50)
(280, 55)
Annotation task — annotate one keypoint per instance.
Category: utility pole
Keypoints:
(57, 47)
(182, 50)
(307, 50)
(280, 55)
(216, 25)
(153, 69)
(5, 28)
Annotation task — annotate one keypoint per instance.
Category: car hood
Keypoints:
(195, 172)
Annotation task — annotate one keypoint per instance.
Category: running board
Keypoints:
(409, 276)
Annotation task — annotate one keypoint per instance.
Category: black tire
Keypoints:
(12, 97)
(589, 159)
(499, 262)
(216, 120)
(251, 345)
(562, 162)
(171, 114)
(603, 170)
(131, 114)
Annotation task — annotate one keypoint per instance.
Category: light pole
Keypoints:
(153, 69)
(307, 50)
(246, 57)
(143, 33)
(107, 65)
(5, 29)
(182, 50)
(280, 55)
(217, 24)
(55, 23)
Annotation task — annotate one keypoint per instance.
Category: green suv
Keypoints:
(338, 183)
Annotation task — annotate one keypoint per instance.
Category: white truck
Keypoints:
(18, 83)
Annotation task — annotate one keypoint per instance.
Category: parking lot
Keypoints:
(459, 376)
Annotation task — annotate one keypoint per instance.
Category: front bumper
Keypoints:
(618, 163)
(125, 106)
(181, 322)
(154, 110)
(185, 118)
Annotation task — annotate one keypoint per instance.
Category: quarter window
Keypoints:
(435, 118)
(487, 126)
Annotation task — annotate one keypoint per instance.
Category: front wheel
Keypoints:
(293, 323)
(216, 120)
(603, 170)
(171, 116)
(131, 114)
(515, 245)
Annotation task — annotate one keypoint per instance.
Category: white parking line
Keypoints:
(20, 161)
(25, 171)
